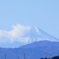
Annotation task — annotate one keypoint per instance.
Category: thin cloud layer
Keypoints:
(16, 34)
(18, 30)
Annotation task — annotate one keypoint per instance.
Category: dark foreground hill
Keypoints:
(34, 50)
(55, 57)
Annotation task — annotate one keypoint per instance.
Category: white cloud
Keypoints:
(18, 30)
(37, 30)
(16, 34)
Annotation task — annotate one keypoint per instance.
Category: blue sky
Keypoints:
(41, 13)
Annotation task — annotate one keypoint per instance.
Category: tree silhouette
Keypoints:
(56, 57)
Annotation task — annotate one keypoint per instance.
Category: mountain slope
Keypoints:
(34, 50)
(22, 35)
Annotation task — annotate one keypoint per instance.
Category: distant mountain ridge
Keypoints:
(34, 50)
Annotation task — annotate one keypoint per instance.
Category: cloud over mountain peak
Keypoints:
(23, 35)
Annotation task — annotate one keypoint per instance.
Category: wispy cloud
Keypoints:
(16, 34)
(18, 30)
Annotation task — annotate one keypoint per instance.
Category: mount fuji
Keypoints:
(22, 35)
(26, 42)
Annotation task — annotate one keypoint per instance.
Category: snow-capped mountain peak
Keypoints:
(22, 35)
